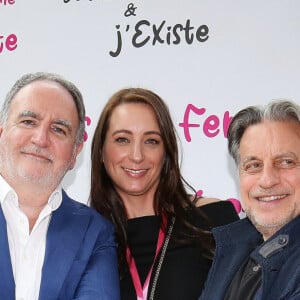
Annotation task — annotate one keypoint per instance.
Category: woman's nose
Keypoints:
(137, 153)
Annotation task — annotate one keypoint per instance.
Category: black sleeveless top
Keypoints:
(184, 269)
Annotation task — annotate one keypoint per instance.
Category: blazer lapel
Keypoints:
(7, 282)
(65, 234)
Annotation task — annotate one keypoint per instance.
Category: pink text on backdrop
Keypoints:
(88, 123)
(67, 1)
(6, 2)
(9, 43)
(210, 123)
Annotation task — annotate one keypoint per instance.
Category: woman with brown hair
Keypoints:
(164, 241)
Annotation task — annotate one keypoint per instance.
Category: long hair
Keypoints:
(171, 197)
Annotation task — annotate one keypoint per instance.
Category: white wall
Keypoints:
(251, 56)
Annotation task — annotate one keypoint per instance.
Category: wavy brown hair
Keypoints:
(171, 197)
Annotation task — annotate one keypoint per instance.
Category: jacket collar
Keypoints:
(7, 283)
(65, 235)
(244, 233)
(241, 231)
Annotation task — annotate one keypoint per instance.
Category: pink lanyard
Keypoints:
(143, 291)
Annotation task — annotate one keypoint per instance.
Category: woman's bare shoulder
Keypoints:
(200, 201)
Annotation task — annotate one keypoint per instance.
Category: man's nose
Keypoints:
(269, 176)
(40, 136)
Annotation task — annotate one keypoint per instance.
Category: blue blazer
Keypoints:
(80, 256)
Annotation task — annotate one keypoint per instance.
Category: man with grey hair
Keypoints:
(52, 247)
(258, 257)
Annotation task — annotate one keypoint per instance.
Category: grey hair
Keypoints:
(277, 110)
(44, 76)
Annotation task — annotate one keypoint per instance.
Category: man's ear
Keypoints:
(76, 151)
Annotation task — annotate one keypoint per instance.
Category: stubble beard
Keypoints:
(269, 228)
(45, 179)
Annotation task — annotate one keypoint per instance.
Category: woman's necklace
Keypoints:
(162, 243)
(161, 259)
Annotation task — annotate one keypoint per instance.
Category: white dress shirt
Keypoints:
(27, 249)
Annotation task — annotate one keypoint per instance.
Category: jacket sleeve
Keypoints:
(100, 279)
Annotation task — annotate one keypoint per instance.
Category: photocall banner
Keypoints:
(206, 59)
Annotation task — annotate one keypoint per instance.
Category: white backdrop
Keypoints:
(206, 58)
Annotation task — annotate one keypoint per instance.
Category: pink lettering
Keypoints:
(226, 122)
(5, 2)
(186, 125)
(199, 193)
(88, 123)
(9, 43)
(237, 204)
(210, 125)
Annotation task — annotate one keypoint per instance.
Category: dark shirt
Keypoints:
(246, 282)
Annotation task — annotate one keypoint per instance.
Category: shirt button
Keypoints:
(256, 268)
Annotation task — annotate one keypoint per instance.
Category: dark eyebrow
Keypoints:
(277, 156)
(121, 131)
(129, 132)
(63, 123)
(153, 132)
(285, 154)
(249, 158)
(28, 113)
(31, 114)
